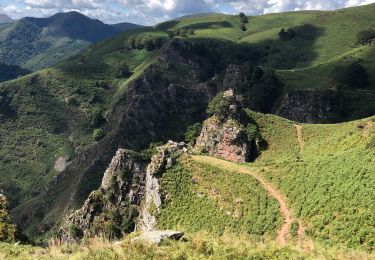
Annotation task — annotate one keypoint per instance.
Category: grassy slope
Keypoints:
(327, 177)
(197, 246)
(202, 197)
(67, 94)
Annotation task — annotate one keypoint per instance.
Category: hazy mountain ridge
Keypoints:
(36, 43)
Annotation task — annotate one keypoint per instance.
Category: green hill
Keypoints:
(61, 126)
(36, 43)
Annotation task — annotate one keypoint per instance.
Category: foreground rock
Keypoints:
(109, 211)
(112, 210)
(157, 236)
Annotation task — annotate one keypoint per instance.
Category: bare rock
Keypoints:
(60, 164)
(227, 140)
(310, 106)
(156, 237)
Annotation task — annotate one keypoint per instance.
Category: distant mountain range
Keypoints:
(5, 19)
(36, 43)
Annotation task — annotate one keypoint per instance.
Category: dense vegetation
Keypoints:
(327, 175)
(36, 43)
(7, 229)
(200, 197)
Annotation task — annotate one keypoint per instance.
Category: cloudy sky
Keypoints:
(150, 12)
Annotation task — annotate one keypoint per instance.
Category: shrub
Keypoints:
(75, 231)
(192, 133)
(243, 27)
(218, 106)
(243, 18)
(7, 229)
(123, 70)
(252, 132)
(98, 134)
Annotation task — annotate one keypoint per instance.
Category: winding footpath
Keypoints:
(283, 232)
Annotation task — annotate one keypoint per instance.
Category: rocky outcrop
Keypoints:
(226, 140)
(310, 106)
(128, 182)
(228, 137)
(160, 162)
(110, 210)
(156, 106)
(156, 237)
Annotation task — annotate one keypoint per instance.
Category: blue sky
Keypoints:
(149, 12)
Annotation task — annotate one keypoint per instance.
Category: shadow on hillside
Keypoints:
(210, 25)
(291, 51)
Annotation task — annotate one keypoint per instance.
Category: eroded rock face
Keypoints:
(111, 209)
(160, 162)
(227, 137)
(310, 106)
(226, 140)
(61, 163)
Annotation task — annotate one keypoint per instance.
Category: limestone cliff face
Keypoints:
(310, 106)
(111, 209)
(128, 183)
(160, 162)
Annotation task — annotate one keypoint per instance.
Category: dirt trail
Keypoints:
(288, 218)
(299, 136)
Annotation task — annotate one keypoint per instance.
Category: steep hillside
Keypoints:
(327, 174)
(60, 127)
(36, 43)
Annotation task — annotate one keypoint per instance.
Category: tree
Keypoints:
(218, 106)
(243, 18)
(286, 35)
(8, 231)
(149, 44)
(190, 31)
(123, 70)
(183, 32)
(243, 27)
(366, 37)
(98, 134)
(353, 75)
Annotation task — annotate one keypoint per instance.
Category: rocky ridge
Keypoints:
(128, 182)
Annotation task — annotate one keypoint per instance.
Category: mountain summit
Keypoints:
(5, 19)
(36, 43)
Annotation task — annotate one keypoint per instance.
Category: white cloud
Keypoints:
(154, 11)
